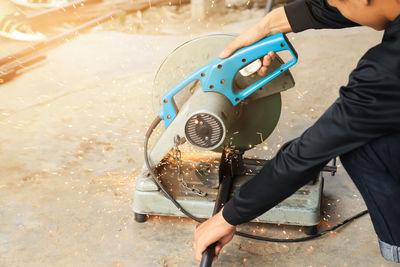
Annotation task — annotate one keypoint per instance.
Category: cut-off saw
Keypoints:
(223, 106)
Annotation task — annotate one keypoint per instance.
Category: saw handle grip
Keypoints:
(222, 73)
(218, 75)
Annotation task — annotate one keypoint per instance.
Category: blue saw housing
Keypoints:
(218, 74)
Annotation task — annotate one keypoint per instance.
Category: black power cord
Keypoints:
(154, 124)
(306, 238)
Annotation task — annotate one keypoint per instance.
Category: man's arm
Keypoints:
(315, 14)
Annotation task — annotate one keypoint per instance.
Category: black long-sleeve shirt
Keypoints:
(368, 107)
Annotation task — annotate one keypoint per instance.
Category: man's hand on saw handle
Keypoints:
(215, 229)
(276, 21)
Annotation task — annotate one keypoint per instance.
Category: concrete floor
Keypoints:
(71, 133)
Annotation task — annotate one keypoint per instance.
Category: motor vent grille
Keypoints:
(204, 130)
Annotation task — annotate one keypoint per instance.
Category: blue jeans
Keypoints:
(375, 170)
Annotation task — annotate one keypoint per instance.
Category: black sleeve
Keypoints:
(367, 108)
(315, 14)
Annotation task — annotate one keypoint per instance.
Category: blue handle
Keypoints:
(218, 75)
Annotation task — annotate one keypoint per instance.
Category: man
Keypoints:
(362, 126)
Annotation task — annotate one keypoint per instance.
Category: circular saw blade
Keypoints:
(256, 117)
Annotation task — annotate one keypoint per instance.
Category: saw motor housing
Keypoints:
(209, 117)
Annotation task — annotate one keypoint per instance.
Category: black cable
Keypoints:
(306, 238)
(153, 125)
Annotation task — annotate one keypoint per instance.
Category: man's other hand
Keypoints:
(215, 229)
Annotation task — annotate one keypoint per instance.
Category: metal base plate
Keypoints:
(302, 208)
